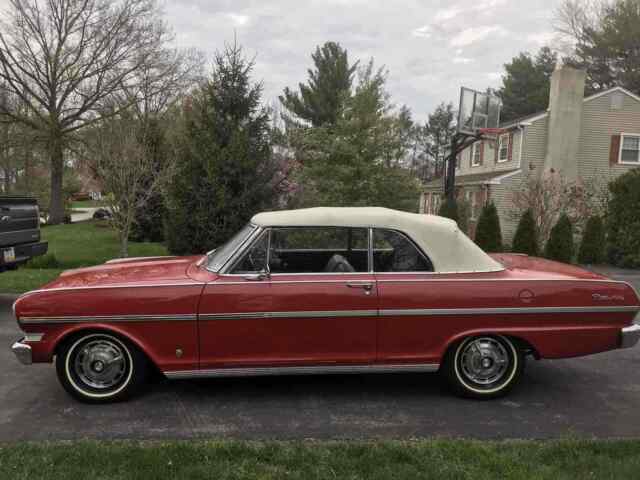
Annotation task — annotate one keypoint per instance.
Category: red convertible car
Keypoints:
(323, 290)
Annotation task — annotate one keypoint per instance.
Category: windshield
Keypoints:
(217, 258)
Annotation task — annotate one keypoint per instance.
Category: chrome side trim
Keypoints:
(327, 314)
(295, 314)
(106, 287)
(33, 337)
(417, 312)
(629, 336)
(219, 282)
(108, 319)
(307, 370)
(498, 311)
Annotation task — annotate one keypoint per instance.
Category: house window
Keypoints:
(476, 155)
(630, 149)
(503, 153)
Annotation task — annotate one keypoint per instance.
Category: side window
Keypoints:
(254, 260)
(394, 252)
(319, 250)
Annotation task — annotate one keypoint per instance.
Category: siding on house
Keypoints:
(599, 123)
(603, 117)
(489, 163)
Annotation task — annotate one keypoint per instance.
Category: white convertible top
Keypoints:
(449, 249)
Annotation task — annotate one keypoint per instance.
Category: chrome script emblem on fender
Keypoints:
(603, 298)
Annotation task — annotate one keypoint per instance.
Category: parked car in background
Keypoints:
(19, 231)
(323, 290)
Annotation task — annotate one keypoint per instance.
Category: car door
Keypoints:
(405, 277)
(297, 297)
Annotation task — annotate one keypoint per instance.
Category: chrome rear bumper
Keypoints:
(629, 336)
(22, 352)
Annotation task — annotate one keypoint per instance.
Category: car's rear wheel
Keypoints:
(484, 366)
(100, 368)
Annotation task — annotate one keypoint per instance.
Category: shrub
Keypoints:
(623, 220)
(449, 209)
(459, 212)
(560, 245)
(526, 237)
(593, 240)
(488, 233)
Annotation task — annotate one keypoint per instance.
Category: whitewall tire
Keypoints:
(100, 367)
(483, 366)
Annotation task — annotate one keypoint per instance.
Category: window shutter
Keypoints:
(510, 156)
(496, 150)
(614, 153)
(471, 155)
(481, 152)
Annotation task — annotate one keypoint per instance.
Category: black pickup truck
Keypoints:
(19, 231)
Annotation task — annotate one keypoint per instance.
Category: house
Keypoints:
(582, 139)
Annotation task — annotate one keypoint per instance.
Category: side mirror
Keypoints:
(258, 277)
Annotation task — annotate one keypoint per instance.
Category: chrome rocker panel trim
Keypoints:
(629, 336)
(327, 314)
(22, 352)
(303, 370)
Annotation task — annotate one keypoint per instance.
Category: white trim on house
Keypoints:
(620, 148)
(614, 89)
(476, 147)
(498, 180)
(501, 146)
(527, 122)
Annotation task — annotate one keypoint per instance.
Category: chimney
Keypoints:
(565, 118)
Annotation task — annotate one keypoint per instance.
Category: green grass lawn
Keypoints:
(72, 246)
(427, 459)
(87, 204)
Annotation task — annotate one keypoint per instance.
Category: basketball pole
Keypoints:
(450, 173)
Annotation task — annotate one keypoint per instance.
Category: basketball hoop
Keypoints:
(478, 118)
(491, 135)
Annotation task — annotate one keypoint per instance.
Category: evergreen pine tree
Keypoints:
(560, 244)
(226, 171)
(526, 237)
(320, 100)
(593, 242)
(488, 233)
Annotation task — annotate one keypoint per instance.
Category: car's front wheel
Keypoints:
(483, 366)
(100, 368)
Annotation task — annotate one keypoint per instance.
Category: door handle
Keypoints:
(366, 286)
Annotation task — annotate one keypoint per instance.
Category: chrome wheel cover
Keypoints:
(101, 364)
(484, 361)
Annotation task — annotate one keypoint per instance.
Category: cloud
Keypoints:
(429, 47)
(238, 20)
(424, 31)
(447, 13)
(475, 34)
(462, 60)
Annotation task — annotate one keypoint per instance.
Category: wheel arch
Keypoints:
(518, 339)
(71, 334)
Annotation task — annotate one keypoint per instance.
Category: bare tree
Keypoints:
(69, 61)
(575, 19)
(118, 153)
(549, 195)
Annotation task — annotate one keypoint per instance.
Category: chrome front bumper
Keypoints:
(22, 352)
(629, 336)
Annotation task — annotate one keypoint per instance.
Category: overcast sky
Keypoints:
(430, 47)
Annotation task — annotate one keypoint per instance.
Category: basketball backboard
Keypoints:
(477, 110)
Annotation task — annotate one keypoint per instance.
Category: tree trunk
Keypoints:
(56, 203)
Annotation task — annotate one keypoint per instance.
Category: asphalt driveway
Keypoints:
(592, 396)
